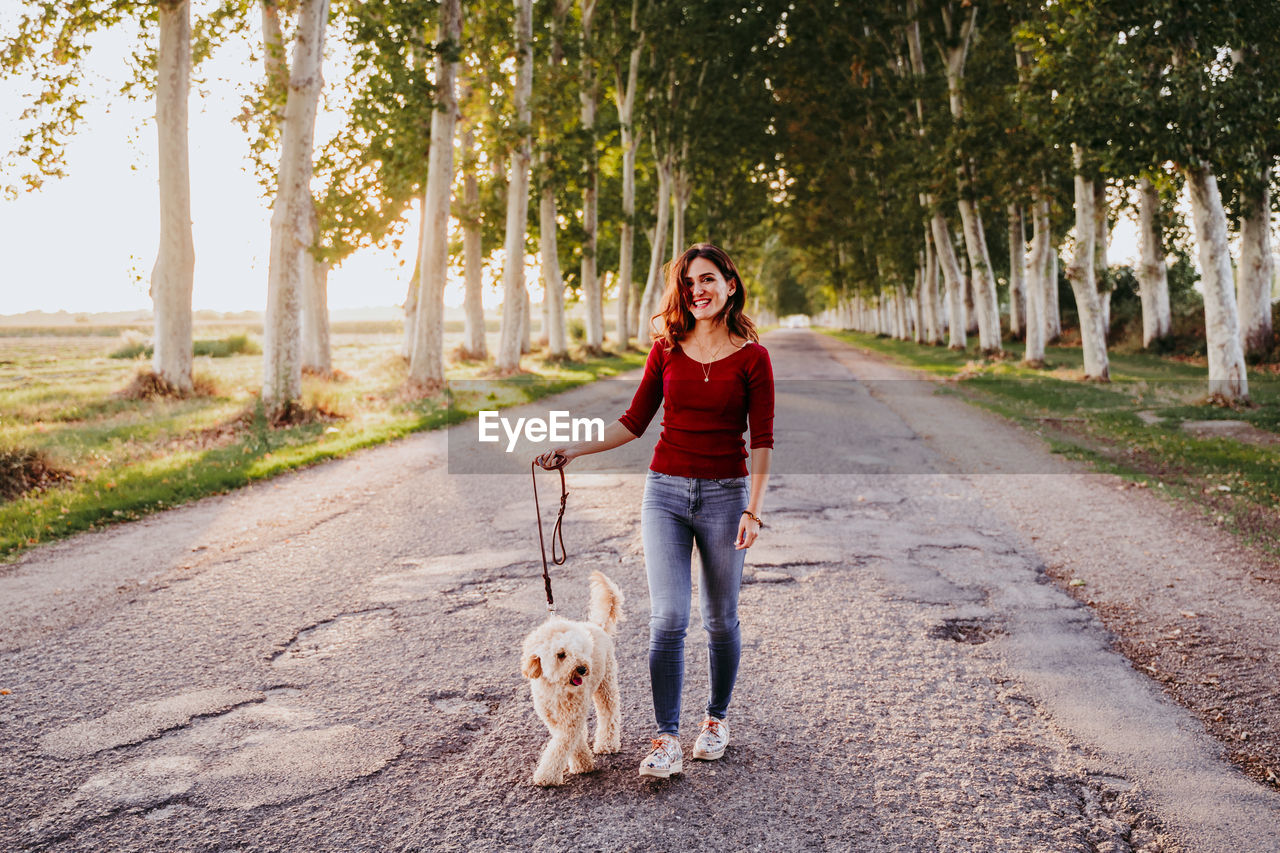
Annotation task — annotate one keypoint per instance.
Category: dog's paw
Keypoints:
(607, 748)
(582, 764)
(548, 780)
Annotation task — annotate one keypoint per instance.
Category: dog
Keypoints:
(567, 664)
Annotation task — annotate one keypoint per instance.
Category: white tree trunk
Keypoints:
(290, 216)
(1082, 275)
(682, 189)
(591, 289)
(1037, 284)
(929, 294)
(1101, 238)
(526, 324)
(946, 254)
(1153, 275)
(515, 294)
(982, 280)
(426, 364)
(173, 275)
(625, 99)
(317, 356)
(1227, 376)
(1052, 310)
(1017, 270)
(654, 284)
(410, 306)
(1256, 272)
(472, 252)
(552, 282)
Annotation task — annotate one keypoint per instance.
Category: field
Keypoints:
(1153, 424)
(108, 458)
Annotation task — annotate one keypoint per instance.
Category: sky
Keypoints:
(87, 242)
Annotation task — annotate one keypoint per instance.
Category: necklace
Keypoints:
(706, 368)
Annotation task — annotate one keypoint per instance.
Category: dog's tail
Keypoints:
(606, 603)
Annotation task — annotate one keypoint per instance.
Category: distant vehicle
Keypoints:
(795, 321)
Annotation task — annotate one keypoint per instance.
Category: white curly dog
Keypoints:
(568, 663)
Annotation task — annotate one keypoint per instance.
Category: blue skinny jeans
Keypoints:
(675, 513)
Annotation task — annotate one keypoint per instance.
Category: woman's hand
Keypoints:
(556, 457)
(748, 530)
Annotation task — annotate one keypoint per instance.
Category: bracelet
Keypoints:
(754, 517)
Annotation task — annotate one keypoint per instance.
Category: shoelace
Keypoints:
(713, 724)
(662, 745)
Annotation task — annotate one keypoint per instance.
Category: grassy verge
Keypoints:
(1141, 425)
(60, 398)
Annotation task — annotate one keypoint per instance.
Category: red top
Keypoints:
(703, 421)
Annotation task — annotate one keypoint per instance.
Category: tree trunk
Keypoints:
(1017, 270)
(290, 216)
(931, 308)
(1037, 284)
(411, 300)
(426, 365)
(985, 306)
(317, 358)
(173, 275)
(625, 99)
(1153, 276)
(654, 284)
(1100, 263)
(1052, 309)
(526, 324)
(514, 319)
(951, 275)
(1256, 271)
(552, 282)
(592, 292)
(472, 252)
(970, 305)
(1227, 376)
(1082, 275)
(682, 189)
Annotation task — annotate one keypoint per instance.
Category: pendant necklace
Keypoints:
(706, 368)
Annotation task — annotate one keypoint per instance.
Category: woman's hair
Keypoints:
(675, 318)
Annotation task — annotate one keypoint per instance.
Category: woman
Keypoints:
(716, 379)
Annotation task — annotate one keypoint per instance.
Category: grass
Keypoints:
(1237, 484)
(61, 398)
(238, 344)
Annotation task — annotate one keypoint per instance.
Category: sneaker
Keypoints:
(667, 757)
(712, 740)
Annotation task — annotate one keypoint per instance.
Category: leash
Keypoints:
(555, 531)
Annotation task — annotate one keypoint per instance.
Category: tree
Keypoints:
(49, 47)
(426, 363)
(513, 285)
(292, 232)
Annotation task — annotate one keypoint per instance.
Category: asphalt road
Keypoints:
(330, 661)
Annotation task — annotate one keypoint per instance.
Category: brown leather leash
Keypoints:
(555, 531)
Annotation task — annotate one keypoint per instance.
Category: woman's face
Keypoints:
(708, 290)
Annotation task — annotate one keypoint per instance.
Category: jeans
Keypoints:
(675, 513)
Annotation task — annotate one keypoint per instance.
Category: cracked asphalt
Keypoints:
(329, 661)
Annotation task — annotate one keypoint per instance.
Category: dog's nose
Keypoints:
(582, 670)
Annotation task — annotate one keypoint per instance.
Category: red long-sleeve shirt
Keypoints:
(703, 421)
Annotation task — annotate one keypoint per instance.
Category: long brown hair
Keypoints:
(677, 319)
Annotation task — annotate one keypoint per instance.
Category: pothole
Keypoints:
(325, 639)
(971, 631)
(478, 592)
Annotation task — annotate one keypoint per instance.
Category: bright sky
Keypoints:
(88, 242)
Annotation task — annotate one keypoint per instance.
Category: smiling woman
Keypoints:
(715, 381)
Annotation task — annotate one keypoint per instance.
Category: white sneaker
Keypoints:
(712, 740)
(666, 758)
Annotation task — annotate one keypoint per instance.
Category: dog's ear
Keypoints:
(532, 667)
